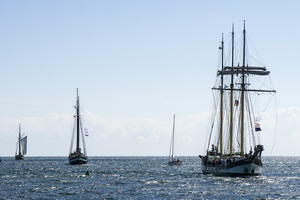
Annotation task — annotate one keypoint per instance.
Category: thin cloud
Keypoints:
(50, 135)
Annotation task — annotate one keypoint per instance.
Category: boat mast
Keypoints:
(231, 95)
(78, 122)
(173, 134)
(19, 138)
(243, 92)
(221, 99)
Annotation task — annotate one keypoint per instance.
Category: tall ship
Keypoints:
(21, 149)
(233, 146)
(78, 154)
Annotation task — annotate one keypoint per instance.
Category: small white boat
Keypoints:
(172, 159)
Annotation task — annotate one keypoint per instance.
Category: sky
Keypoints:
(136, 64)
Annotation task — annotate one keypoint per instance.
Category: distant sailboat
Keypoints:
(77, 155)
(21, 146)
(172, 159)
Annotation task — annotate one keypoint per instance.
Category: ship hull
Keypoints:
(77, 160)
(175, 162)
(245, 169)
(250, 165)
(19, 157)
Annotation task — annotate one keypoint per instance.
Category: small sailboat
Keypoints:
(172, 159)
(77, 154)
(21, 149)
(234, 147)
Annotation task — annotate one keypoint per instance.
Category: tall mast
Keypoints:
(231, 96)
(19, 138)
(78, 122)
(221, 99)
(243, 92)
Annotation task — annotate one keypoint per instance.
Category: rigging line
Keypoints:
(269, 102)
(263, 83)
(229, 47)
(270, 81)
(258, 104)
(227, 115)
(257, 61)
(235, 116)
(249, 118)
(214, 121)
(211, 122)
(252, 118)
(262, 63)
(275, 127)
(82, 137)
(238, 128)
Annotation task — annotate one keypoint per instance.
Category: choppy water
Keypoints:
(142, 178)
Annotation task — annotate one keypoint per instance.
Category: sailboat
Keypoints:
(172, 159)
(21, 149)
(77, 155)
(234, 147)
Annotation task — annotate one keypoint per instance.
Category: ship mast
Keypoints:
(221, 99)
(231, 96)
(173, 141)
(243, 93)
(19, 138)
(242, 71)
(78, 122)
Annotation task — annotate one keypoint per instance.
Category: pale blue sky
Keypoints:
(136, 63)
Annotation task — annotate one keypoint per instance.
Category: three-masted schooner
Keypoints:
(21, 149)
(172, 159)
(233, 145)
(77, 155)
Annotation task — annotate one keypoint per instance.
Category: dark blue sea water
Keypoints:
(142, 178)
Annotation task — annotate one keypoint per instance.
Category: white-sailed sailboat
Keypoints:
(21, 149)
(78, 154)
(234, 147)
(172, 159)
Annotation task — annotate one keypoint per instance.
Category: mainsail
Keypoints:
(172, 159)
(24, 145)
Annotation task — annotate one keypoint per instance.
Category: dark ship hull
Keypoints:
(19, 157)
(77, 159)
(249, 165)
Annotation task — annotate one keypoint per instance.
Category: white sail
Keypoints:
(24, 145)
(171, 152)
(172, 158)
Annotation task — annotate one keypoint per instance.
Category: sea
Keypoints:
(142, 178)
